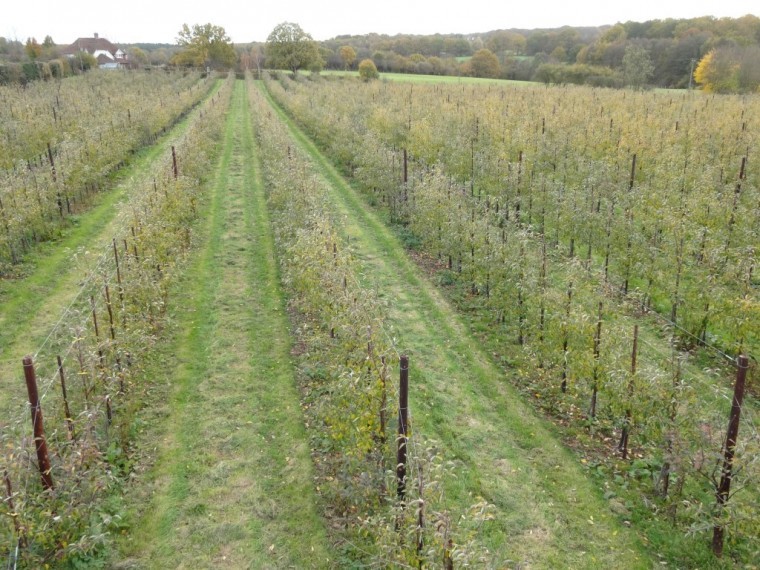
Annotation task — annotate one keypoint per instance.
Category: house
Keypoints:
(107, 54)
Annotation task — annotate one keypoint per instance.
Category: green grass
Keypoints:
(32, 304)
(548, 514)
(642, 508)
(231, 485)
(414, 78)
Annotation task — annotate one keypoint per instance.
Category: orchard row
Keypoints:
(88, 368)
(598, 234)
(350, 378)
(61, 140)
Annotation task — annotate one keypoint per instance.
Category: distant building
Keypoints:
(107, 54)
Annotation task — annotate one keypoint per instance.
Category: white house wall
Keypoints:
(100, 52)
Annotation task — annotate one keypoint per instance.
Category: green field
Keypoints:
(431, 79)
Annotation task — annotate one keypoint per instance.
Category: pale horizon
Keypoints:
(159, 22)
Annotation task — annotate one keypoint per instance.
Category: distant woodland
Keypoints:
(670, 51)
(716, 54)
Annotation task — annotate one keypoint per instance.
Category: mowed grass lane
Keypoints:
(232, 482)
(30, 306)
(548, 515)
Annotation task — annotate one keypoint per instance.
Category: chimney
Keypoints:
(96, 35)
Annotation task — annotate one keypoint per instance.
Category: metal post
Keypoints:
(40, 444)
(724, 488)
(403, 427)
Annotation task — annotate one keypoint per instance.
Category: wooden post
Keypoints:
(110, 312)
(134, 245)
(174, 163)
(383, 399)
(83, 372)
(724, 488)
(12, 508)
(633, 172)
(118, 271)
(113, 338)
(43, 460)
(403, 425)
(52, 163)
(59, 199)
(597, 346)
(623, 447)
(420, 519)
(565, 337)
(66, 411)
(97, 333)
(472, 167)
(737, 192)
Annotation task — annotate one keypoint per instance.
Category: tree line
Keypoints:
(30, 61)
(674, 48)
(717, 54)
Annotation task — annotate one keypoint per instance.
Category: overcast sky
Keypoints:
(158, 21)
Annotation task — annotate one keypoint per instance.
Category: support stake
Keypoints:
(174, 163)
(66, 411)
(724, 488)
(403, 428)
(43, 460)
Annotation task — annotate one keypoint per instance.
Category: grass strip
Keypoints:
(548, 514)
(232, 482)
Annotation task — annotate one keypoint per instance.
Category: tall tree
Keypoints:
(367, 70)
(49, 49)
(289, 47)
(485, 64)
(730, 69)
(137, 56)
(257, 58)
(348, 55)
(503, 41)
(205, 45)
(637, 66)
(33, 49)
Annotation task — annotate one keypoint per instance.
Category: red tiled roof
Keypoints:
(90, 45)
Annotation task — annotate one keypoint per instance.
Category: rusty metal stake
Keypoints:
(724, 488)
(40, 444)
(403, 428)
